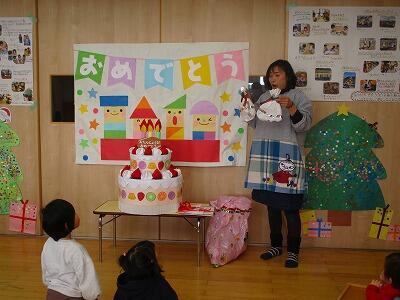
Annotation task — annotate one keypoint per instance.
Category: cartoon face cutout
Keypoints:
(286, 165)
(175, 117)
(114, 114)
(204, 122)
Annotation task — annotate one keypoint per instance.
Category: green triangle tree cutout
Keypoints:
(342, 169)
(10, 171)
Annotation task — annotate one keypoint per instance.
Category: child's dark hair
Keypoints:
(58, 218)
(140, 261)
(392, 269)
(285, 66)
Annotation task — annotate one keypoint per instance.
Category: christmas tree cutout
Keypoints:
(342, 169)
(10, 171)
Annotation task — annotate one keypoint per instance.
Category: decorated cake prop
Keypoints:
(150, 185)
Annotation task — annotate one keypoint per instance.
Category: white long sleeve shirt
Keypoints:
(68, 269)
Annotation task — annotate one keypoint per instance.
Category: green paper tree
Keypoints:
(10, 171)
(342, 169)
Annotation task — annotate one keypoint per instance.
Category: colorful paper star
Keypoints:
(225, 97)
(237, 112)
(92, 93)
(93, 124)
(343, 109)
(226, 127)
(83, 108)
(236, 147)
(84, 143)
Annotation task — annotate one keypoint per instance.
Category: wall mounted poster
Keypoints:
(346, 53)
(185, 94)
(16, 61)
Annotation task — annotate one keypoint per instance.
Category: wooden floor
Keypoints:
(323, 273)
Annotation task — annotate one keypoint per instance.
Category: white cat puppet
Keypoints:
(247, 107)
(271, 111)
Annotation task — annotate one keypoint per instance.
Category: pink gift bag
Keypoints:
(226, 236)
(22, 217)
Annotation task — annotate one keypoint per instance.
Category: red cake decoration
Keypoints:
(127, 167)
(157, 174)
(137, 174)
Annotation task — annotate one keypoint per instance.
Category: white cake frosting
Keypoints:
(149, 196)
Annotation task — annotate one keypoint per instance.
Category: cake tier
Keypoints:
(157, 160)
(150, 197)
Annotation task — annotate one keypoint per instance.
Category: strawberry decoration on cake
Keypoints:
(134, 148)
(157, 174)
(164, 150)
(174, 172)
(137, 174)
(148, 151)
(126, 168)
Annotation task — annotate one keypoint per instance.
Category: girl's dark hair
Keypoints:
(285, 66)
(58, 218)
(140, 261)
(392, 269)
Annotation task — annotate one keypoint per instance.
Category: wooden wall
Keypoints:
(260, 22)
(25, 120)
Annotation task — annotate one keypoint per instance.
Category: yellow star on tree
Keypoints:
(225, 97)
(343, 109)
(226, 127)
(83, 108)
(236, 147)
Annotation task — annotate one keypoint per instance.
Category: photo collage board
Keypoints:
(16, 61)
(346, 53)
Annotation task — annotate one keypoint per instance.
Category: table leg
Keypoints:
(100, 225)
(114, 231)
(159, 228)
(198, 241)
(204, 234)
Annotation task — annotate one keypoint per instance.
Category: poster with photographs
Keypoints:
(16, 61)
(346, 53)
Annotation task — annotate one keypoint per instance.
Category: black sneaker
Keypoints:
(272, 252)
(292, 261)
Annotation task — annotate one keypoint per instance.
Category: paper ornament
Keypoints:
(380, 223)
(342, 169)
(10, 171)
(394, 233)
(247, 108)
(320, 229)
(270, 111)
(305, 217)
(22, 217)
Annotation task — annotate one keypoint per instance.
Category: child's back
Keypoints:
(144, 289)
(142, 279)
(68, 269)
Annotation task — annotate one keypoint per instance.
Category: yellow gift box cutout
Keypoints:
(305, 217)
(380, 223)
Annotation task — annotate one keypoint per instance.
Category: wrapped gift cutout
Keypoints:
(380, 223)
(23, 217)
(394, 233)
(320, 229)
(305, 217)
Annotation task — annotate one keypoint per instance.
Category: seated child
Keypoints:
(142, 279)
(67, 269)
(388, 287)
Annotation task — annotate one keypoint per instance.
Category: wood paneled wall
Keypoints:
(25, 120)
(260, 22)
